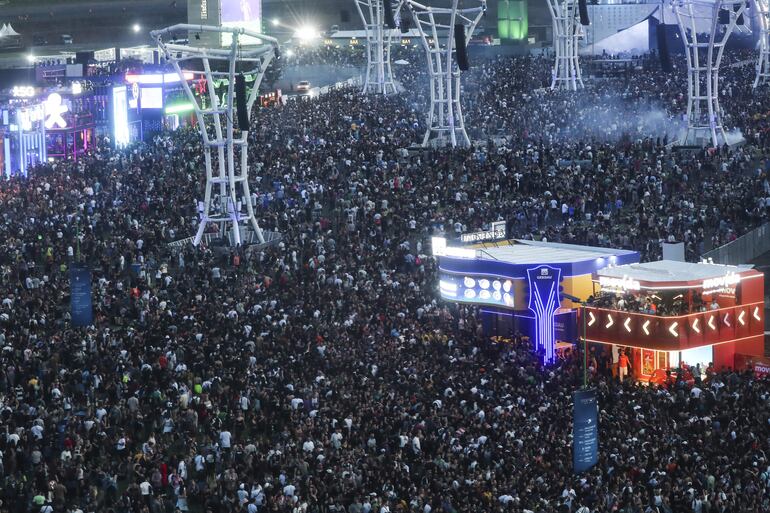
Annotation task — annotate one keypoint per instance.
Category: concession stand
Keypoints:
(666, 315)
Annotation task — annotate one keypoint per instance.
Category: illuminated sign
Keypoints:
(26, 118)
(54, 108)
(494, 234)
(77, 88)
(204, 9)
(618, 284)
(543, 303)
(120, 116)
(440, 248)
(724, 283)
(23, 92)
(477, 289)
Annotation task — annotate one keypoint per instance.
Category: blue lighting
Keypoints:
(543, 302)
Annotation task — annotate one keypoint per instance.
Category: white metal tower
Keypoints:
(436, 26)
(225, 148)
(567, 32)
(763, 61)
(379, 75)
(717, 18)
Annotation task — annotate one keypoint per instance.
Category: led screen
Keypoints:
(244, 14)
(120, 116)
(152, 97)
(486, 290)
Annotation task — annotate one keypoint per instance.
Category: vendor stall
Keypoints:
(667, 315)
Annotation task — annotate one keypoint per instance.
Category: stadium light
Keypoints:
(136, 28)
(30, 58)
(306, 33)
(289, 53)
(275, 22)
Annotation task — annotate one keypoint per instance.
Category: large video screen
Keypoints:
(245, 14)
(488, 290)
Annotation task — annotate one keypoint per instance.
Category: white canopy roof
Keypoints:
(7, 30)
(664, 271)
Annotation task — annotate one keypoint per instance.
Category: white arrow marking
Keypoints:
(627, 323)
(695, 326)
(756, 313)
(740, 318)
(610, 321)
(672, 329)
(644, 327)
(711, 323)
(727, 319)
(592, 319)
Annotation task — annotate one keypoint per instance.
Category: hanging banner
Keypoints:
(585, 431)
(81, 307)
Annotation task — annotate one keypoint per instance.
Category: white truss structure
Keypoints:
(762, 8)
(704, 56)
(225, 147)
(379, 75)
(567, 32)
(445, 118)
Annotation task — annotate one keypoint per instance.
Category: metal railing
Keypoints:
(744, 249)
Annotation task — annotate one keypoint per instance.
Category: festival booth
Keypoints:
(154, 101)
(666, 313)
(42, 124)
(522, 286)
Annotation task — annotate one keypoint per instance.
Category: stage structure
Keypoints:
(437, 27)
(704, 56)
(379, 75)
(567, 32)
(763, 63)
(225, 147)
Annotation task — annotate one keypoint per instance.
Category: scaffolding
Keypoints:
(379, 74)
(567, 32)
(704, 56)
(225, 148)
(436, 25)
(763, 59)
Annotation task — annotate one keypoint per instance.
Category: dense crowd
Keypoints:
(323, 374)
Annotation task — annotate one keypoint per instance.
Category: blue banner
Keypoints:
(585, 431)
(81, 307)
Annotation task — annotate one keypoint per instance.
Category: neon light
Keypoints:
(721, 283)
(756, 313)
(543, 302)
(740, 318)
(592, 318)
(711, 322)
(727, 320)
(693, 347)
(645, 326)
(695, 326)
(181, 107)
(627, 324)
(610, 321)
(166, 78)
(672, 329)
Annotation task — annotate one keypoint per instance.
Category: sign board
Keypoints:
(81, 308)
(497, 231)
(585, 430)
